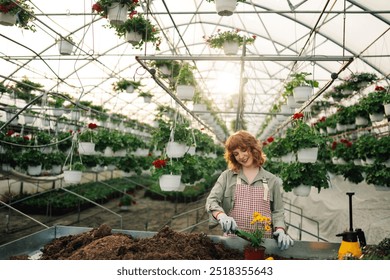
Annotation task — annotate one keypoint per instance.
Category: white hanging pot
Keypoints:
(361, 121)
(307, 155)
(199, 108)
(133, 37)
(341, 127)
(120, 153)
(191, 150)
(117, 13)
(165, 70)
(230, 47)
(86, 148)
(170, 182)
(7, 19)
(10, 116)
(28, 119)
(387, 109)
(376, 117)
(6, 167)
(225, 7)
(72, 176)
(176, 149)
(287, 158)
(302, 93)
(34, 170)
(185, 92)
(331, 130)
(108, 152)
(65, 47)
(302, 190)
(56, 169)
(291, 102)
(130, 89)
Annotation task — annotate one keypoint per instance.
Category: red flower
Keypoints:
(297, 116)
(92, 125)
(349, 144)
(159, 163)
(254, 36)
(26, 138)
(132, 14)
(10, 132)
(334, 145)
(265, 143)
(270, 139)
(97, 8)
(322, 119)
(379, 88)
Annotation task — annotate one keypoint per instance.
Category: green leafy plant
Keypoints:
(166, 166)
(31, 157)
(89, 134)
(54, 158)
(24, 12)
(373, 102)
(122, 85)
(140, 24)
(256, 237)
(217, 40)
(298, 79)
(186, 75)
(343, 149)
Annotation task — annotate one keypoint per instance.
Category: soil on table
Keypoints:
(101, 244)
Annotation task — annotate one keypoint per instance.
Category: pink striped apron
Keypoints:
(247, 200)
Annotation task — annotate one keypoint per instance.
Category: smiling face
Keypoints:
(244, 157)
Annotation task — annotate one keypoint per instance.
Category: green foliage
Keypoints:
(24, 12)
(298, 79)
(186, 75)
(366, 146)
(301, 135)
(217, 40)
(373, 102)
(31, 157)
(122, 85)
(55, 158)
(167, 166)
(378, 174)
(311, 174)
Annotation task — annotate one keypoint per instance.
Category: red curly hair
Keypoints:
(245, 141)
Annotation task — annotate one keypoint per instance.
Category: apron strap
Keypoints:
(266, 189)
(238, 180)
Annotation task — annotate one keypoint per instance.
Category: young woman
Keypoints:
(245, 187)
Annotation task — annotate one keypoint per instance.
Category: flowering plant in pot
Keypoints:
(123, 84)
(168, 172)
(141, 25)
(342, 151)
(299, 80)
(101, 7)
(217, 41)
(21, 12)
(262, 226)
(358, 81)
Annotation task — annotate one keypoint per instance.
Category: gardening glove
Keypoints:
(284, 240)
(227, 223)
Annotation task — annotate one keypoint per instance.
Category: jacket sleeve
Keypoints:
(215, 199)
(277, 204)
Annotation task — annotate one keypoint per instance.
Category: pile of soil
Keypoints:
(101, 244)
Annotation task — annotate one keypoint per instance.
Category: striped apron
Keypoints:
(247, 200)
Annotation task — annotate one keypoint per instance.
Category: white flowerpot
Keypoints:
(9, 116)
(133, 37)
(86, 148)
(175, 149)
(120, 153)
(191, 150)
(341, 127)
(170, 182)
(34, 170)
(302, 190)
(230, 47)
(331, 130)
(141, 152)
(28, 119)
(287, 158)
(57, 112)
(7, 19)
(117, 13)
(387, 109)
(185, 92)
(307, 155)
(165, 70)
(225, 7)
(201, 108)
(291, 102)
(130, 89)
(56, 169)
(376, 117)
(65, 47)
(361, 121)
(6, 167)
(75, 115)
(72, 176)
(108, 152)
(302, 93)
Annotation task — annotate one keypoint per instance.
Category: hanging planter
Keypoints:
(302, 190)
(65, 45)
(126, 85)
(230, 47)
(302, 93)
(7, 19)
(86, 148)
(387, 109)
(170, 182)
(72, 176)
(225, 7)
(34, 170)
(133, 37)
(117, 13)
(175, 149)
(307, 155)
(185, 92)
(376, 117)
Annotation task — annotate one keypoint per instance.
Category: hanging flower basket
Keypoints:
(170, 182)
(376, 117)
(34, 170)
(185, 92)
(117, 13)
(133, 37)
(225, 7)
(7, 19)
(302, 190)
(302, 93)
(72, 176)
(86, 148)
(307, 155)
(65, 46)
(175, 149)
(230, 47)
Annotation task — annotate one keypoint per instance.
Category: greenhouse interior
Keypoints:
(100, 101)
